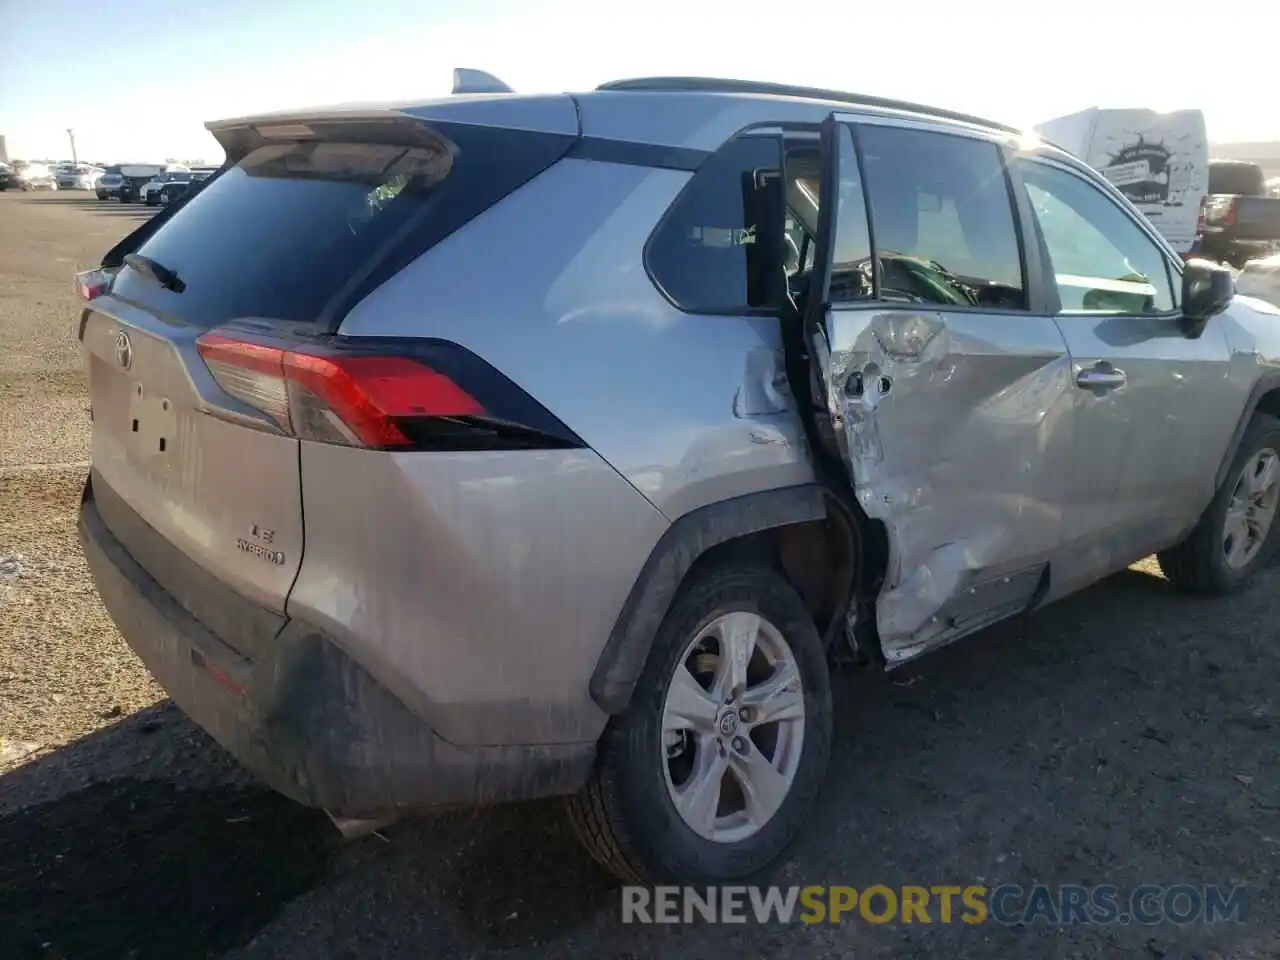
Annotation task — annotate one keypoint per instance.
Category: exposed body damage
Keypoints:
(956, 445)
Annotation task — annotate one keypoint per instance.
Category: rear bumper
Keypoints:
(307, 718)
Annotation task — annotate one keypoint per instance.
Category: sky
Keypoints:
(137, 79)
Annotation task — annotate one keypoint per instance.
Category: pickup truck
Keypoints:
(1239, 221)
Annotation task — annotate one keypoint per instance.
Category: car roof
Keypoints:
(688, 112)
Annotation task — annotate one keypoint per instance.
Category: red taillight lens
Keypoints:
(1229, 218)
(361, 399)
(92, 284)
(369, 395)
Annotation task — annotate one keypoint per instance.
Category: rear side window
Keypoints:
(295, 228)
(708, 254)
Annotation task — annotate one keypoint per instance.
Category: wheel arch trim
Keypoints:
(688, 538)
(1265, 384)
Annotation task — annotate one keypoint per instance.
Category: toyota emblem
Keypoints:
(124, 350)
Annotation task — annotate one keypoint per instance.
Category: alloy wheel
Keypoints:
(1252, 508)
(733, 724)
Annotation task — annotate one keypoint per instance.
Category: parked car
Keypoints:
(135, 176)
(77, 177)
(150, 192)
(107, 186)
(1240, 219)
(174, 189)
(6, 171)
(412, 537)
(33, 176)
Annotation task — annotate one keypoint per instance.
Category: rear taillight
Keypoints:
(92, 284)
(1229, 217)
(386, 395)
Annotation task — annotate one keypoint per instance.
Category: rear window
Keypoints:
(1242, 178)
(295, 229)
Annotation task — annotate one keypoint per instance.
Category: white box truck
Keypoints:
(1160, 161)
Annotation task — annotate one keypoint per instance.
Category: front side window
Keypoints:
(1103, 262)
(941, 218)
(708, 254)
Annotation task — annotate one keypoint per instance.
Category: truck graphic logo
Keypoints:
(1141, 171)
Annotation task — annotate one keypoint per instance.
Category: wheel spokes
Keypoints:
(763, 787)
(1236, 539)
(1262, 476)
(1260, 519)
(778, 698)
(698, 798)
(709, 715)
(738, 634)
(688, 706)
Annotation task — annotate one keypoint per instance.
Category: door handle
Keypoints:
(1102, 376)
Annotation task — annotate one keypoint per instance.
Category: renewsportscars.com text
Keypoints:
(971, 904)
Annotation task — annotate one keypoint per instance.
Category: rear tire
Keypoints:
(1235, 535)
(627, 816)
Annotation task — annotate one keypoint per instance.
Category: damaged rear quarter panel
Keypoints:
(957, 427)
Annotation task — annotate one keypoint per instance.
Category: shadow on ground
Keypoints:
(190, 858)
(189, 862)
(144, 869)
(90, 203)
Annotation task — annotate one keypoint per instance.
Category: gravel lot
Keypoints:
(1129, 737)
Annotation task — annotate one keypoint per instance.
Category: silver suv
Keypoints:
(508, 446)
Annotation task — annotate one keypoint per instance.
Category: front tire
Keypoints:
(709, 773)
(1235, 534)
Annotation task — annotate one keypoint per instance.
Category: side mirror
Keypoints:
(1207, 289)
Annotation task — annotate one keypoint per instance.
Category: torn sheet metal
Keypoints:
(956, 428)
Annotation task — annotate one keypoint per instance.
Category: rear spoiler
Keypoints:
(356, 121)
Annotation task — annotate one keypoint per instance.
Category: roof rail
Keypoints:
(716, 85)
(466, 80)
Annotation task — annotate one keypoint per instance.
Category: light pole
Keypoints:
(72, 134)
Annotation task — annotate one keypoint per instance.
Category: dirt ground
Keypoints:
(1129, 737)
